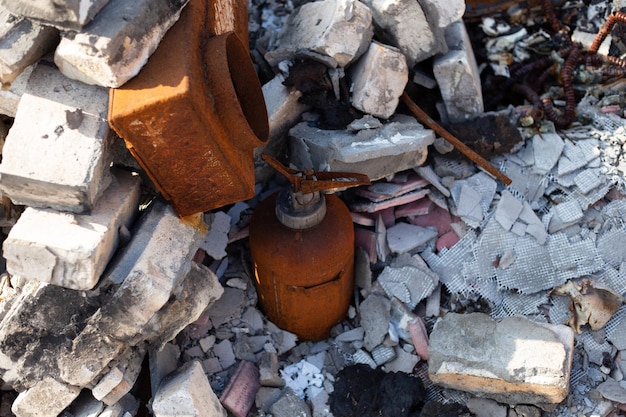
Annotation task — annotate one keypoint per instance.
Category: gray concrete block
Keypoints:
(340, 29)
(55, 155)
(46, 399)
(118, 42)
(68, 14)
(499, 360)
(153, 264)
(376, 153)
(22, 43)
(378, 80)
(38, 246)
(187, 392)
(456, 73)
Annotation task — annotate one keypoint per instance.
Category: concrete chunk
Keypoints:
(376, 153)
(404, 25)
(68, 14)
(56, 152)
(155, 261)
(187, 392)
(22, 43)
(125, 33)
(340, 29)
(456, 73)
(37, 330)
(46, 399)
(499, 360)
(283, 111)
(38, 246)
(379, 78)
(445, 13)
(196, 292)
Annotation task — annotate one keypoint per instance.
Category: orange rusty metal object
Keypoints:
(194, 114)
(305, 274)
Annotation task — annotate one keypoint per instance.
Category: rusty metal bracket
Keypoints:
(308, 181)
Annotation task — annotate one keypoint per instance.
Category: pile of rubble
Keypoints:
(113, 305)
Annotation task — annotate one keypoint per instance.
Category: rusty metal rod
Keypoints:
(423, 117)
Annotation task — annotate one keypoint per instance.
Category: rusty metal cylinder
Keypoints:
(304, 276)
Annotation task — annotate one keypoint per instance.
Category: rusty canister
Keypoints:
(303, 261)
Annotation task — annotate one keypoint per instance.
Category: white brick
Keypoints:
(499, 360)
(446, 12)
(126, 33)
(62, 13)
(55, 154)
(456, 73)
(379, 78)
(187, 393)
(22, 42)
(72, 250)
(46, 399)
(340, 29)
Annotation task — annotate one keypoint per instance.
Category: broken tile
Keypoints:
(547, 149)
(438, 218)
(508, 210)
(564, 215)
(240, 393)
(409, 283)
(431, 176)
(404, 237)
(414, 209)
(375, 316)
